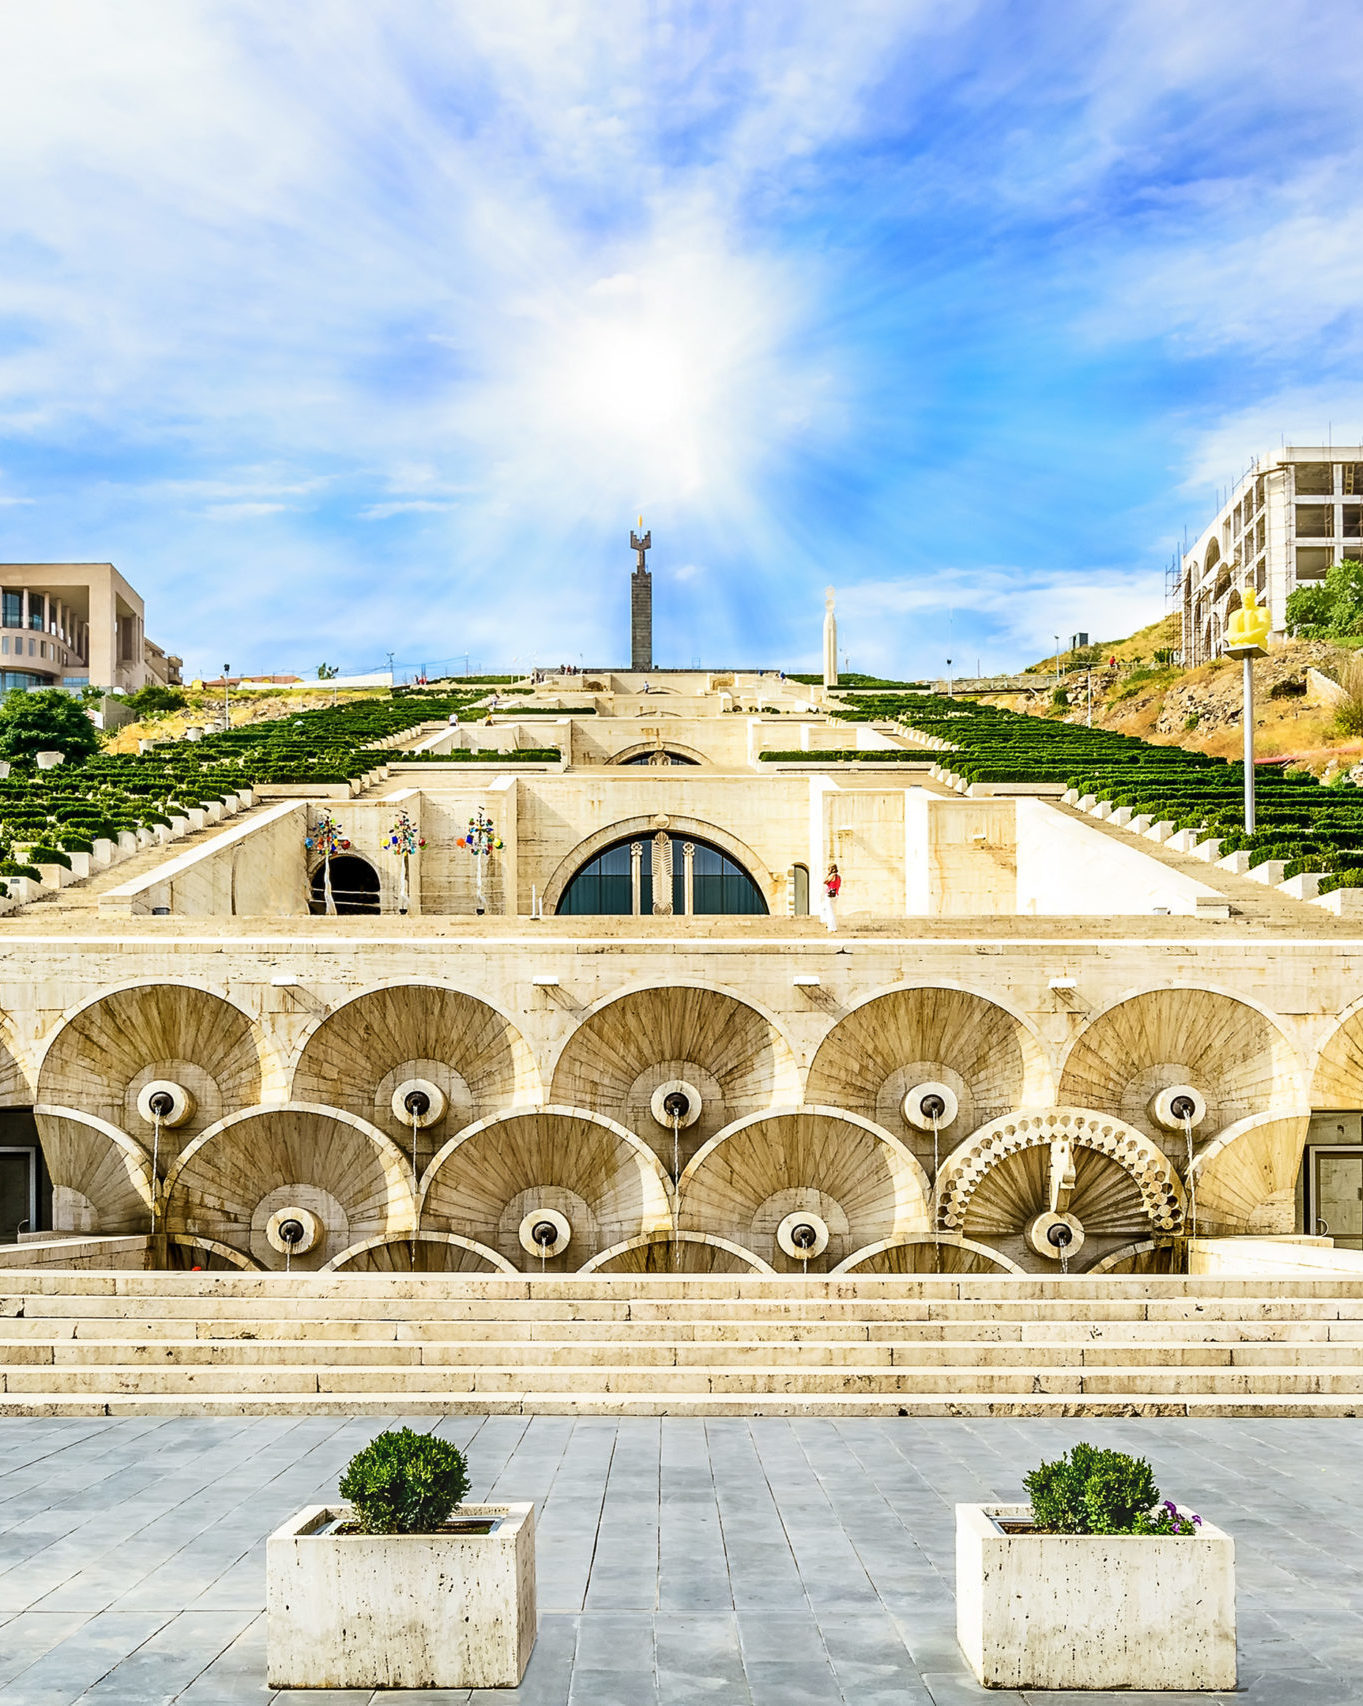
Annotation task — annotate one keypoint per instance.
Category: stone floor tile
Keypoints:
(793, 1684)
(27, 1635)
(959, 1688)
(65, 1671)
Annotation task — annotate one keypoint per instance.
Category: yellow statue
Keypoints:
(1247, 630)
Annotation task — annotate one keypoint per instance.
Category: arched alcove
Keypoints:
(354, 887)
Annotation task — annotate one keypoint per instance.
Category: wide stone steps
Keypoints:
(83, 1343)
(1183, 1380)
(499, 1354)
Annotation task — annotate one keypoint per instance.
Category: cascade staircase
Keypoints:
(136, 1343)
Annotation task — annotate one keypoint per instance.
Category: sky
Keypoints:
(350, 327)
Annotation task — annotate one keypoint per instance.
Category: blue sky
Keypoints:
(348, 328)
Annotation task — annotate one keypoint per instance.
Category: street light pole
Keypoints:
(1247, 639)
(951, 689)
(1057, 663)
(1247, 717)
(226, 698)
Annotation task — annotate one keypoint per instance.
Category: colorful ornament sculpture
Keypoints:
(328, 839)
(404, 841)
(482, 841)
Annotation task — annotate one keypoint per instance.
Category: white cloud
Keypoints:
(407, 506)
(241, 511)
(1005, 612)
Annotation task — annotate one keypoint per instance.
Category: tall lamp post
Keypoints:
(1247, 639)
(226, 698)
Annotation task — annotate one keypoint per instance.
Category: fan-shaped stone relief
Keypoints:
(15, 1088)
(293, 1185)
(926, 1039)
(927, 1255)
(547, 1188)
(420, 1253)
(110, 1057)
(1147, 1256)
(677, 1253)
(1058, 1186)
(1337, 1081)
(718, 1054)
(803, 1188)
(101, 1177)
(1246, 1182)
(372, 1052)
(1228, 1052)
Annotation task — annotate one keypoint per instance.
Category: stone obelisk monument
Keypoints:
(641, 603)
(830, 640)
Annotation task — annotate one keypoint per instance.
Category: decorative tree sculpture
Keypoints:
(328, 839)
(404, 841)
(482, 841)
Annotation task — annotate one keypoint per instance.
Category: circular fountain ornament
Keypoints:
(165, 1102)
(675, 1104)
(802, 1235)
(293, 1231)
(417, 1101)
(1056, 1236)
(1178, 1107)
(544, 1232)
(931, 1106)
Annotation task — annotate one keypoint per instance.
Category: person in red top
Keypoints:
(832, 885)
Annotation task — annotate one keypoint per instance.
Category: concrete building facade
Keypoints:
(76, 625)
(621, 1043)
(1294, 514)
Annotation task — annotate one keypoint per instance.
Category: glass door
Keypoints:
(1337, 1196)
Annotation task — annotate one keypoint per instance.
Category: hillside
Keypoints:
(1302, 707)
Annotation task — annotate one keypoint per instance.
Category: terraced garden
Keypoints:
(1309, 827)
(46, 815)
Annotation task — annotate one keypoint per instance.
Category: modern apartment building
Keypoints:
(76, 625)
(1294, 514)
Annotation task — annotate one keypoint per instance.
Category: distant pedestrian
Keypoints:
(832, 887)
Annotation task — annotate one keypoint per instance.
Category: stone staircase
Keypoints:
(106, 1343)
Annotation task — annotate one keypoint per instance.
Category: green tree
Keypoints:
(1331, 610)
(327, 672)
(45, 721)
(153, 697)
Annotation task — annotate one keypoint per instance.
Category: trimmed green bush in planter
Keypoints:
(405, 1482)
(1087, 1491)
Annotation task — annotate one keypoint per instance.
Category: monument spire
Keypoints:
(830, 640)
(641, 602)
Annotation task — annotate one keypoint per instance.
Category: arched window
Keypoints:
(618, 881)
(662, 757)
(354, 886)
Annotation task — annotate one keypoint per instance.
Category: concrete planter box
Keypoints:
(1344, 903)
(401, 1610)
(1093, 1611)
(1304, 886)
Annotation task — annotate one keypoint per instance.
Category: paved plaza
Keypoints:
(770, 1562)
